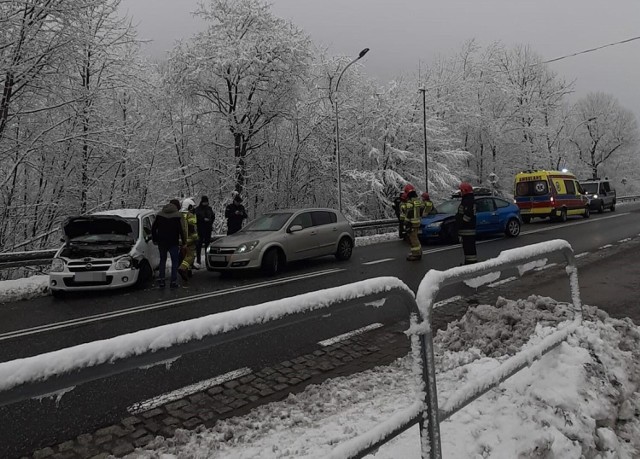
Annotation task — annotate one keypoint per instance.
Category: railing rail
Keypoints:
(523, 258)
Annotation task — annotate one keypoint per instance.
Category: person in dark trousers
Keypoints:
(166, 233)
(397, 203)
(235, 215)
(466, 223)
(205, 216)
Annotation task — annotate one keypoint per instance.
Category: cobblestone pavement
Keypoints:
(378, 347)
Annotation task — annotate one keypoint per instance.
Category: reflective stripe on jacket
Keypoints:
(189, 224)
(412, 211)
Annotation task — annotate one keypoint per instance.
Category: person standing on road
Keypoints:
(235, 214)
(205, 217)
(189, 225)
(166, 233)
(411, 211)
(397, 203)
(466, 223)
(427, 203)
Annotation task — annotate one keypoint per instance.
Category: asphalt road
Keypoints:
(44, 324)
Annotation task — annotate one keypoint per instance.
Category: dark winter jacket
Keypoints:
(466, 216)
(167, 227)
(205, 217)
(235, 214)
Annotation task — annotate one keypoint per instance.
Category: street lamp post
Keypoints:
(424, 130)
(362, 53)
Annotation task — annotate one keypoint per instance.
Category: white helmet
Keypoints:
(187, 204)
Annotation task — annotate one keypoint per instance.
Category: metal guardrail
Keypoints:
(429, 287)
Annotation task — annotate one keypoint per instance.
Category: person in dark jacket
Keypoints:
(235, 214)
(397, 203)
(466, 223)
(167, 232)
(205, 217)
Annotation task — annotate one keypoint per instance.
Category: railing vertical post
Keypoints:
(431, 396)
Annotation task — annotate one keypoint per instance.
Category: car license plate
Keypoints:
(90, 277)
(217, 258)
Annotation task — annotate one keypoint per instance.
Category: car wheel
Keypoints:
(345, 249)
(526, 219)
(601, 207)
(563, 215)
(145, 273)
(513, 228)
(448, 233)
(272, 262)
(587, 212)
(613, 206)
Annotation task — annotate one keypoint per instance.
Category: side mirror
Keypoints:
(295, 228)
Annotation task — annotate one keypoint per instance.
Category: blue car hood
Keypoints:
(435, 218)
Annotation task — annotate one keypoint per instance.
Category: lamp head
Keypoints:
(363, 52)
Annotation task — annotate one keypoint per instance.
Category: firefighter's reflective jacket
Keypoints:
(466, 216)
(411, 211)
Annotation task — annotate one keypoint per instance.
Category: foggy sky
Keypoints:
(403, 34)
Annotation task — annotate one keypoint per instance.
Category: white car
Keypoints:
(105, 250)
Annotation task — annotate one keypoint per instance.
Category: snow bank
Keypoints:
(580, 400)
(25, 288)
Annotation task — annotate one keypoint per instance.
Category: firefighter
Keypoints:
(189, 225)
(428, 205)
(411, 213)
(397, 203)
(466, 223)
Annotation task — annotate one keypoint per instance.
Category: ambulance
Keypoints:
(553, 194)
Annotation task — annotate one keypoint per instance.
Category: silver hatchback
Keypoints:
(281, 236)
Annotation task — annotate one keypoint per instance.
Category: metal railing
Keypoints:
(427, 291)
(39, 375)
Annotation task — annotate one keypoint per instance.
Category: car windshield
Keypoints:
(448, 207)
(268, 222)
(591, 188)
(532, 188)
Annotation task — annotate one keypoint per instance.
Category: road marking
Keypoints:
(378, 261)
(607, 246)
(159, 305)
(503, 281)
(178, 394)
(626, 239)
(565, 225)
(542, 268)
(359, 331)
(453, 299)
(580, 255)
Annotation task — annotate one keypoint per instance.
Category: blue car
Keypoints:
(493, 215)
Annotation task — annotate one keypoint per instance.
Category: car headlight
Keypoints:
(123, 263)
(595, 196)
(434, 225)
(247, 247)
(57, 265)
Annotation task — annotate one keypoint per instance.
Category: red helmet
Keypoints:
(408, 188)
(403, 197)
(465, 188)
(425, 196)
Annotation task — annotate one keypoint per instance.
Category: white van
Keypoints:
(105, 250)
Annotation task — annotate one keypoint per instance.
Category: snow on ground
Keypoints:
(580, 400)
(25, 288)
